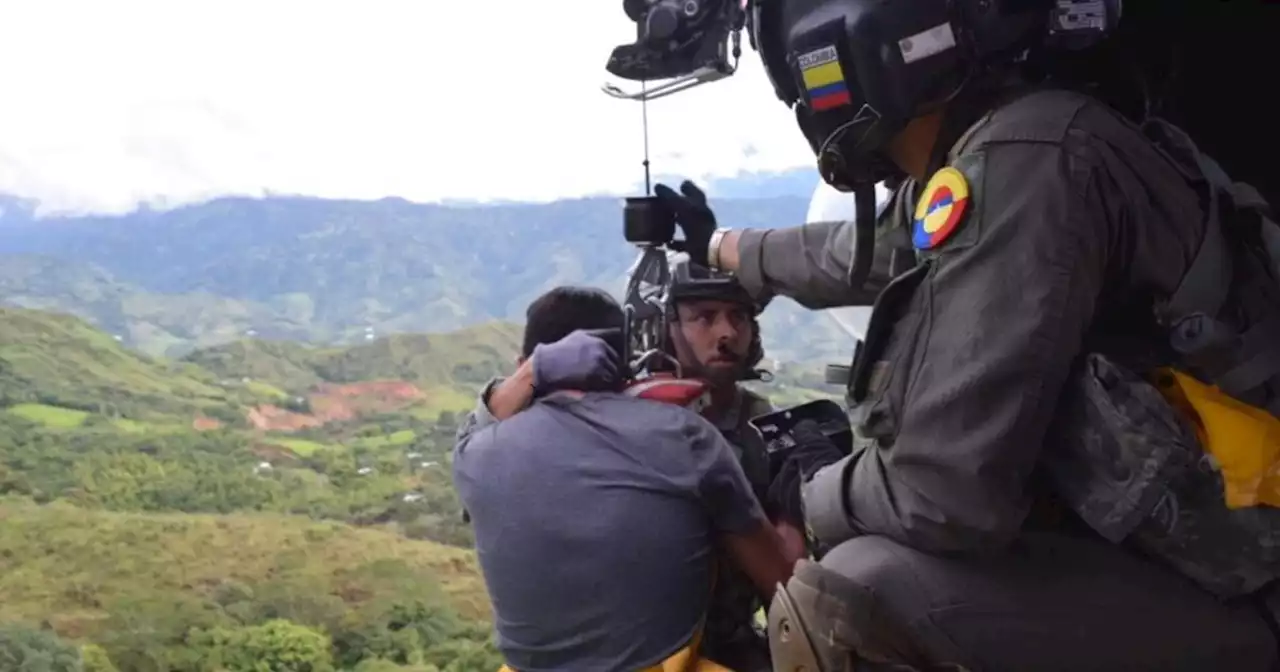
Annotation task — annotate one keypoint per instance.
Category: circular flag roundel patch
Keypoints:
(940, 208)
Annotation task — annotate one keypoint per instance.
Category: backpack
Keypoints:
(1181, 461)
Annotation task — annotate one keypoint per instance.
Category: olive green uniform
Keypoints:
(731, 636)
(1074, 222)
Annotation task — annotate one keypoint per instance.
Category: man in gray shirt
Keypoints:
(598, 515)
(713, 333)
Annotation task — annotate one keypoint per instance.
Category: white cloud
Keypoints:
(108, 103)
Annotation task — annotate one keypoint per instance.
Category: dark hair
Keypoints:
(566, 309)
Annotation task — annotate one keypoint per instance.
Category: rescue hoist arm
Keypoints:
(686, 43)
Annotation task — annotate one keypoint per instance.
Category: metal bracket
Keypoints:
(703, 75)
(720, 69)
(642, 362)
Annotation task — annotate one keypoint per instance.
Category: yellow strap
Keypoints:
(687, 658)
(1243, 439)
(675, 664)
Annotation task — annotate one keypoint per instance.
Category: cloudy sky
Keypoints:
(109, 102)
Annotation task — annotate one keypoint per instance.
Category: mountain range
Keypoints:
(222, 446)
(335, 272)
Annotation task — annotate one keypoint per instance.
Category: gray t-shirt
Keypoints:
(595, 521)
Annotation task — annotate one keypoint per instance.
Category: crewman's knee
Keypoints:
(855, 603)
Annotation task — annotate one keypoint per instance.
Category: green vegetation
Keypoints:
(447, 368)
(26, 649)
(165, 592)
(224, 471)
(146, 524)
(60, 361)
(258, 505)
(49, 416)
(302, 447)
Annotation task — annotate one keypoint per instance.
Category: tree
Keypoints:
(381, 665)
(275, 646)
(96, 659)
(25, 649)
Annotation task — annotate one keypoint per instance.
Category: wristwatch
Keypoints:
(713, 248)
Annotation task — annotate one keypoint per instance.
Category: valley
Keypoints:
(248, 486)
(226, 428)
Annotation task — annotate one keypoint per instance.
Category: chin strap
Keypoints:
(864, 246)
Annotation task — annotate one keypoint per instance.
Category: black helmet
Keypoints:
(857, 71)
(692, 282)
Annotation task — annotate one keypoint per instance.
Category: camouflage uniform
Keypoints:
(1134, 471)
(732, 638)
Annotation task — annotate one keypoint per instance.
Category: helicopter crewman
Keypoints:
(1041, 256)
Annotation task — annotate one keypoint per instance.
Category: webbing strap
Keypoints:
(1192, 311)
(1204, 287)
(1259, 360)
(1246, 197)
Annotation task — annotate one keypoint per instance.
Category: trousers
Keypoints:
(1051, 602)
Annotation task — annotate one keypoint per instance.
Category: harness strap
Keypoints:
(689, 657)
(1259, 361)
(1207, 281)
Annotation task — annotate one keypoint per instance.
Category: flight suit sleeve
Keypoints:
(810, 264)
(480, 417)
(984, 350)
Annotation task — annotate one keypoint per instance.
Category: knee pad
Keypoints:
(790, 644)
(823, 622)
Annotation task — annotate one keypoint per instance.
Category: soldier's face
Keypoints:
(714, 339)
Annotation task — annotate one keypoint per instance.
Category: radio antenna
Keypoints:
(644, 122)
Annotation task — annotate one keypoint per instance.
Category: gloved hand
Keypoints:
(813, 451)
(694, 217)
(581, 361)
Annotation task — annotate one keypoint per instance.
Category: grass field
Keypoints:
(266, 390)
(400, 438)
(72, 565)
(302, 447)
(443, 399)
(49, 416)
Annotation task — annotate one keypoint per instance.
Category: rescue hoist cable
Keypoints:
(644, 125)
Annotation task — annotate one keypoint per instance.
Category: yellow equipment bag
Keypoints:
(1244, 440)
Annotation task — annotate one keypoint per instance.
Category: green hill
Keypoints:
(86, 420)
(154, 322)
(52, 361)
(468, 357)
(328, 271)
(168, 592)
(136, 528)
(58, 370)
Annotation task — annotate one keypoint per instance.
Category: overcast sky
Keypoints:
(106, 102)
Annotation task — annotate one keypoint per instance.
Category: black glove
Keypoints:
(694, 217)
(813, 451)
